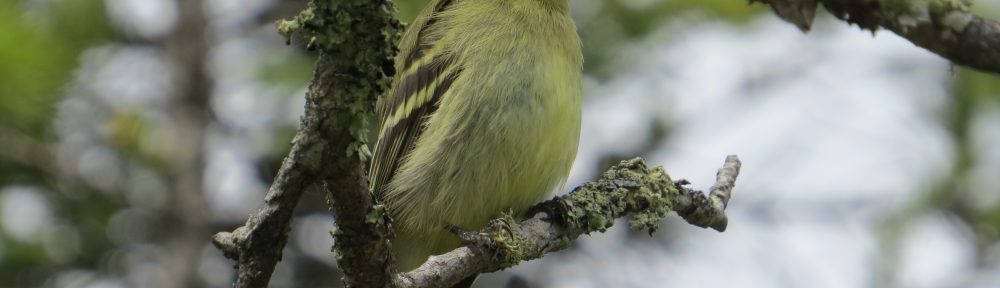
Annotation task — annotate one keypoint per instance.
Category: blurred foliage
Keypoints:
(38, 51)
(953, 194)
(974, 90)
(979, 86)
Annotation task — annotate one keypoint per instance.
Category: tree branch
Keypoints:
(627, 189)
(356, 40)
(944, 27)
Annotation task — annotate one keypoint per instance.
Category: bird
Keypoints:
(482, 118)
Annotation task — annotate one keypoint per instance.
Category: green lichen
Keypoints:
(956, 21)
(629, 188)
(944, 6)
(356, 41)
(377, 215)
(337, 253)
(509, 249)
(910, 13)
(361, 44)
(952, 13)
(360, 129)
(656, 198)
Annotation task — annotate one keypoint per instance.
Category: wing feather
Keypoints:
(425, 74)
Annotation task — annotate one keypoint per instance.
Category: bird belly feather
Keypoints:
(501, 140)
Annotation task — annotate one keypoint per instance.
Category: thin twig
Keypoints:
(630, 189)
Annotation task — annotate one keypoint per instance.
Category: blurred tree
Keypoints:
(37, 49)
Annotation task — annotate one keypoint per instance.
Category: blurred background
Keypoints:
(132, 130)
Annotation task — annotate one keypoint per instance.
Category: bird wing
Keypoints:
(425, 71)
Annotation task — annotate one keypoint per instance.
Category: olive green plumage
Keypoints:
(483, 117)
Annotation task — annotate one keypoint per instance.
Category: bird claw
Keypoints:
(468, 237)
(555, 210)
(681, 182)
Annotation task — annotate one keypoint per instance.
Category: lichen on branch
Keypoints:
(356, 40)
(945, 27)
(629, 189)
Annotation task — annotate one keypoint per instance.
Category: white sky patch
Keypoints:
(24, 213)
(836, 113)
(232, 188)
(145, 18)
(312, 236)
(231, 15)
(214, 268)
(126, 76)
(935, 253)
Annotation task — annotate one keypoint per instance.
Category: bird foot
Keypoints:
(681, 182)
(555, 210)
(468, 237)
